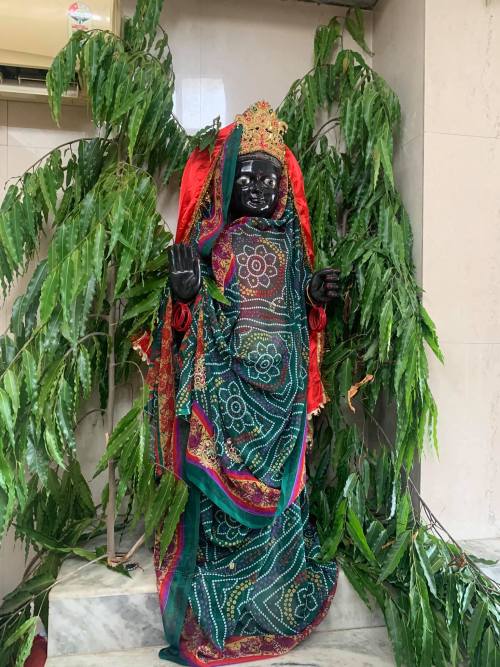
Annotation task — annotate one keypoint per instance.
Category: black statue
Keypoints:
(255, 193)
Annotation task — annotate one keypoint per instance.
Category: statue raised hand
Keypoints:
(185, 276)
(324, 286)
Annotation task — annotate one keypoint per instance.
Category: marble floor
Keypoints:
(367, 647)
(489, 550)
(100, 619)
(94, 610)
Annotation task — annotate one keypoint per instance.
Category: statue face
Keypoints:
(256, 186)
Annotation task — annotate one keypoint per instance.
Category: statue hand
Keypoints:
(324, 285)
(185, 277)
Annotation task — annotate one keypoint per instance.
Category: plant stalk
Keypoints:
(111, 513)
(119, 560)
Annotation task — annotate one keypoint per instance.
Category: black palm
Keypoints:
(185, 277)
(324, 285)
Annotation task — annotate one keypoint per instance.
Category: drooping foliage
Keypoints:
(70, 332)
(438, 606)
(69, 337)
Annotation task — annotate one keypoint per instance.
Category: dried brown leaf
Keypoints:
(355, 388)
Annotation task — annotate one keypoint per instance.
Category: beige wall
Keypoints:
(443, 59)
(398, 43)
(461, 267)
(227, 54)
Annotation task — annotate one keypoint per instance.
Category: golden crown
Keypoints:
(262, 131)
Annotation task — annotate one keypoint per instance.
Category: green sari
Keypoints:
(241, 579)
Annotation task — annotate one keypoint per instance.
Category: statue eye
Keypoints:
(270, 182)
(243, 180)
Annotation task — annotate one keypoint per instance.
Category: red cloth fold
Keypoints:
(181, 317)
(195, 180)
(38, 655)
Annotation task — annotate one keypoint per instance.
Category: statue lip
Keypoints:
(259, 199)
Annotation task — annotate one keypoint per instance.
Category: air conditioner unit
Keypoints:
(360, 4)
(32, 33)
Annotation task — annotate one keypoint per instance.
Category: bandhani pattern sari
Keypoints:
(229, 407)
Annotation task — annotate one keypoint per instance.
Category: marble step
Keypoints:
(97, 611)
(367, 647)
(488, 550)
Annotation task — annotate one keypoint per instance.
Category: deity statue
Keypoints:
(234, 374)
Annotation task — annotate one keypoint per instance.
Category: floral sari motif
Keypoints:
(229, 410)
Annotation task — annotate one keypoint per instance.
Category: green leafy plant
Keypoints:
(70, 332)
(102, 282)
(439, 608)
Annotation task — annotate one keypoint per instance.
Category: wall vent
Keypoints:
(28, 82)
(361, 4)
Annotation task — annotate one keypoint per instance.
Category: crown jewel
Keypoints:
(262, 131)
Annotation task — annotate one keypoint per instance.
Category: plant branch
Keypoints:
(53, 150)
(87, 414)
(493, 585)
(119, 560)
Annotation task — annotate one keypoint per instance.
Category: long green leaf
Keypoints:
(357, 535)
(331, 543)
(355, 25)
(476, 626)
(64, 414)
(161, 502)
(403, 513)
(24, 629)
(49, 293)
(174, 512)
(397, 633)
(490, 650)
(6, 414)
(84, 370)
(424, 562)
(52, 444)
(395, 554)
